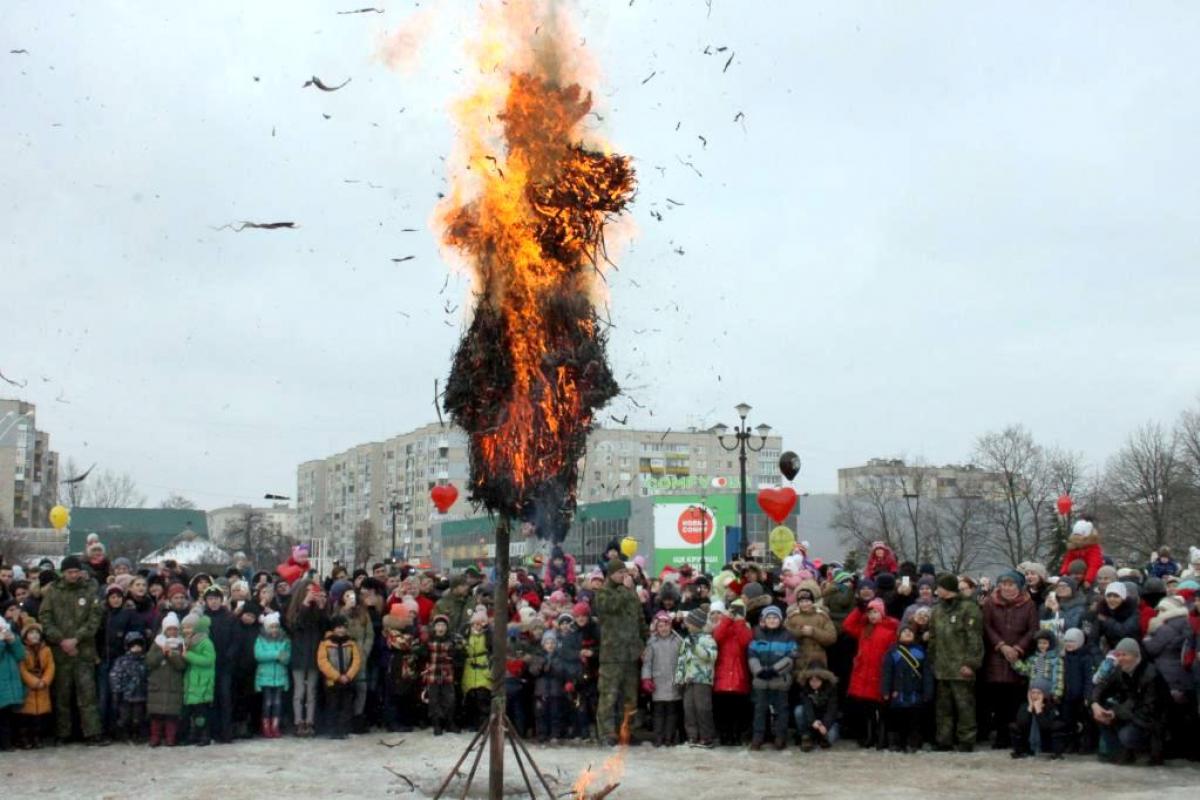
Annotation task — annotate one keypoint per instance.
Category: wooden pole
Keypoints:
(499, 657)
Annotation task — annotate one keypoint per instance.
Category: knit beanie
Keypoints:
(122, 561)
(771, 611)
(581, 609)
(1108, 571)
(716, 607)
(71, 562)
(753, 590)
(270, 620)
(696, 618)
(171, 620)
(550, 635)
(1012, 575)
(1118, 588)
(615, 565)
(1128, 646)
(877, 605)
(1042, 685)
(886, 581)
(480, 616)
(1082, 528)
(1074, 636)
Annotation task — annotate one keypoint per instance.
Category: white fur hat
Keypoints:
(270, 619)
(1082, 528)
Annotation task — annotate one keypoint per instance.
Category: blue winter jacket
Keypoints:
(908, 673)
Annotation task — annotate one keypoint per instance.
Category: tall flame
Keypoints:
(528, 212)
(610, 772)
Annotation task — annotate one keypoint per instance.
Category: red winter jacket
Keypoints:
(874, 641)
(425, 605)
(732, 672)
(1145, 614)
(1086, 549)
(876, 565)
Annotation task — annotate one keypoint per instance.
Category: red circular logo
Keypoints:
(695, 526)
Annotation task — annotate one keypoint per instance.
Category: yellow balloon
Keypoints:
(629, 547)
(781, 541)
(59, 517)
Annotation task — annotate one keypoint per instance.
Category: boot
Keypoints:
(894, 743)
(170, 730)
(156, 727)
(275, 734)
(267, 733)
(806, 744)
(756, 744)
(781, 743)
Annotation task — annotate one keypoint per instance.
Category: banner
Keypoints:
(679, 531)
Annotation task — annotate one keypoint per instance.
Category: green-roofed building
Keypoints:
(137, 530)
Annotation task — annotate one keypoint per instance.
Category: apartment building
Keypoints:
(28, 468)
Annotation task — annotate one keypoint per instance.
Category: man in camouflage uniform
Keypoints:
(622, 637)
(453, 604)
(956, 650)
(70, 615)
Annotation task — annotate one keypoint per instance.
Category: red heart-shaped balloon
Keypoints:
(443, 496)
(289, 572)
(777, 502)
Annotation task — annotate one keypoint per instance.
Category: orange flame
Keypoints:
(528, 211)
(611, 771)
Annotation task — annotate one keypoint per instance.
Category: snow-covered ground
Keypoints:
(358, 767)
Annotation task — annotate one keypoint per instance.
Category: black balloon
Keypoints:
(789, 465)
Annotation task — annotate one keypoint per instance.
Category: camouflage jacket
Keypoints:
(955, 638)
(72, 611)
(622, 624)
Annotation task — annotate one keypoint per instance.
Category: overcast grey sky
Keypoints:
(936, 219)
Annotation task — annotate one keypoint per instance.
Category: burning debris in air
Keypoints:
(531, 370)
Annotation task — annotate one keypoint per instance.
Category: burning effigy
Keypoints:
(528, 214)
(532, 192)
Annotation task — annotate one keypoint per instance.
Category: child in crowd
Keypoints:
(875, 632)
(477, 669)
(694, 673)
(907, 691)
(439, 676)
(817, 712)
(1045, 662)
(550, 689)
(770, 655)
(37, 673)
(165, 667)
(12, 689)
(403, 670)
(339, 659)
(1077, 669)
(272, 654)
(659, 662)
(1038, 726)
(128, 680)
(199, 681)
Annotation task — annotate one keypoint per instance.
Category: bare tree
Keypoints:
(1021, 520)
(1146, 486)
(957, 532)
(108, 489)
(262, 541)
(74, 479)
(177, 501)
(364, 541)
(871, 515)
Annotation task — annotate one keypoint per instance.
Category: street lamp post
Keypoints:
(741, 444)
(395, 508)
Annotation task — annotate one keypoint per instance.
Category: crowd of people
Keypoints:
(1093, 659)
